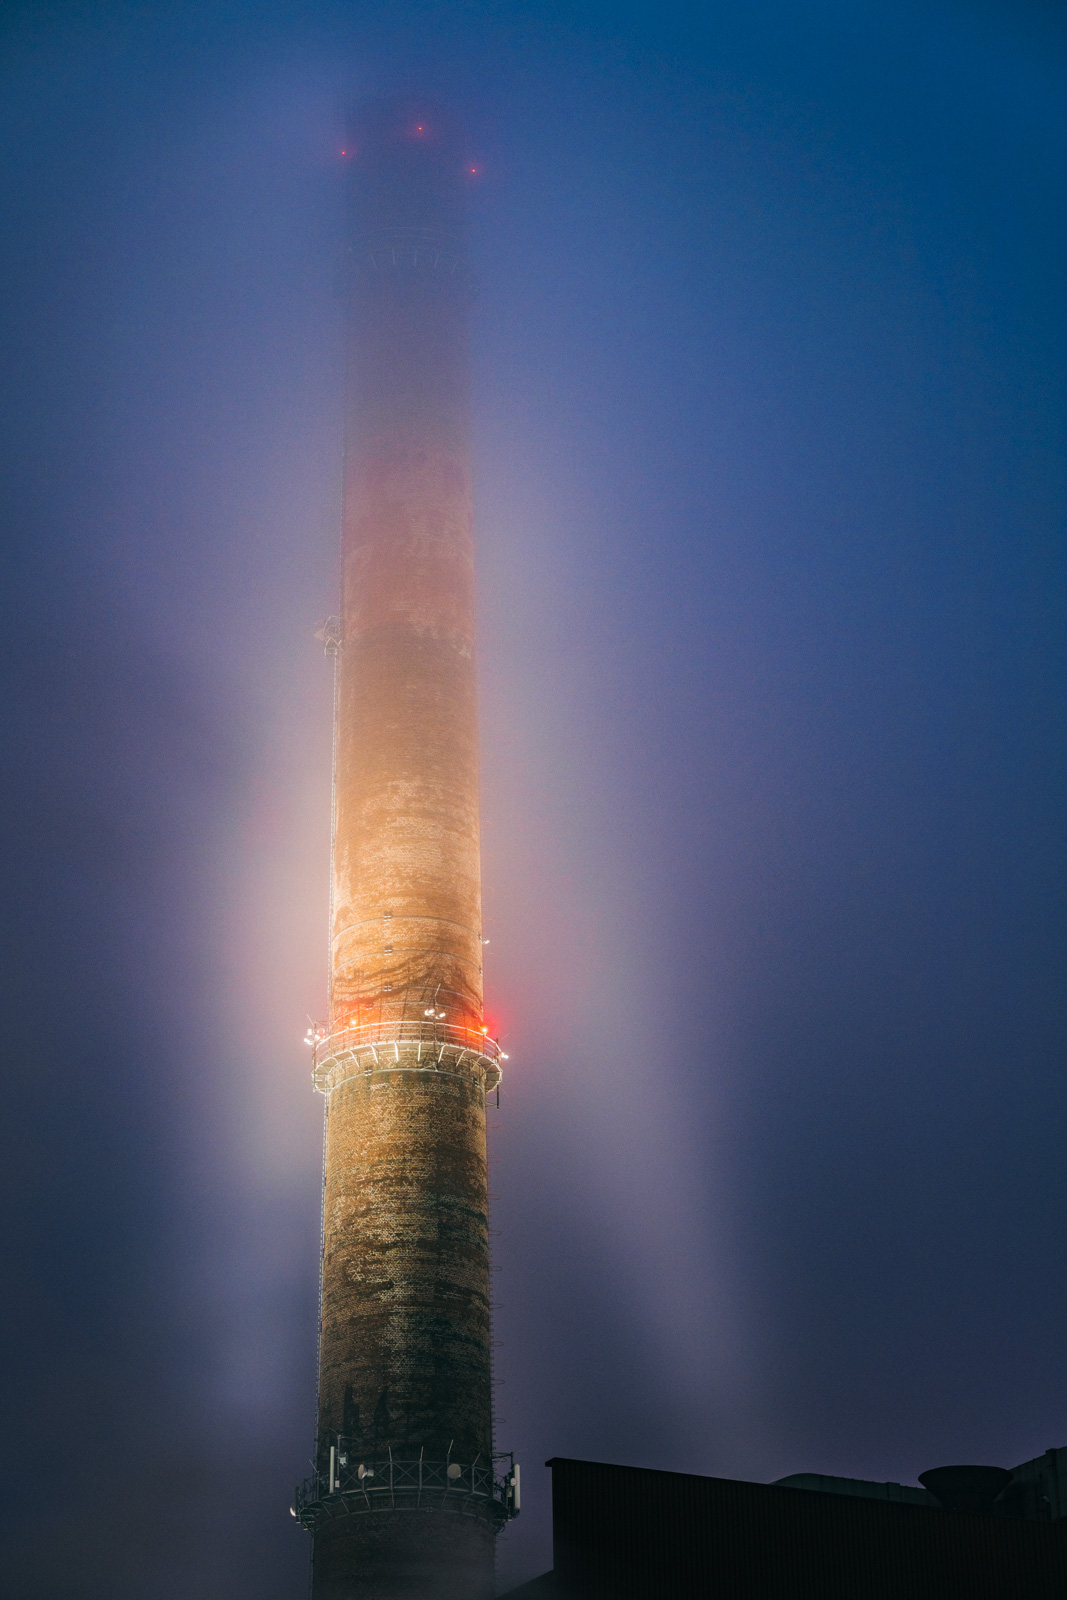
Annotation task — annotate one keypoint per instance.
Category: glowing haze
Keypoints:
(769, 483)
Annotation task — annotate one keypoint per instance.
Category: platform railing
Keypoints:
(353, 1482)
(378, 1044)
(351, 1035)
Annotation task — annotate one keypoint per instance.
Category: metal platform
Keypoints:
(409, 1045)
(354, 1485)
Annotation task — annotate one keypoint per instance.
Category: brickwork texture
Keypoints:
(405, 1356)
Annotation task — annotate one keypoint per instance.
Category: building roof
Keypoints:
(629, 1533)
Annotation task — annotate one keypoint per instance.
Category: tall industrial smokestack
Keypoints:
(405, 1500)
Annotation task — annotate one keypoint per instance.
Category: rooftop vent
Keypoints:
(970, 1489)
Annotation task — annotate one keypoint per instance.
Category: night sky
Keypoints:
(770, 415)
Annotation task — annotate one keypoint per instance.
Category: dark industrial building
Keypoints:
(973, 1533)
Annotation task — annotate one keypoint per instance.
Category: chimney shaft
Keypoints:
(404, 1385)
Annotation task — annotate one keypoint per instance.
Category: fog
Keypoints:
(770, 414)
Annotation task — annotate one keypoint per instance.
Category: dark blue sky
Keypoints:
(771, 415)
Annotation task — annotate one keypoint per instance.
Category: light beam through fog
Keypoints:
(769, 436)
